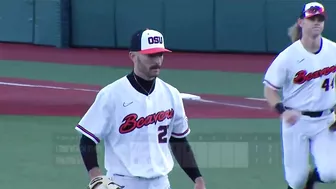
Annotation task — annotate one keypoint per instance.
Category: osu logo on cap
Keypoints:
(155, 40)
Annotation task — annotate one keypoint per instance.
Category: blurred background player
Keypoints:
(305, 71)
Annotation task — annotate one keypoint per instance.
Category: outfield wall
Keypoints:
(189, 25)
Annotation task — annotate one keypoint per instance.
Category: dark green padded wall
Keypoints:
(17, 20)
(280, 16)
(47, 23)
(189, 25)
(93, 23)
(240, 25)
(133, 15)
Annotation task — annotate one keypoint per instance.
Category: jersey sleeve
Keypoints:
(95, 123)
(275, 75)
(180, 125)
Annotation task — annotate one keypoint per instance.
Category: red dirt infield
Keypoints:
(31, 97)
(33, 100)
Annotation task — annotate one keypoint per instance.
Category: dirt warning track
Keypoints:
(249, 63)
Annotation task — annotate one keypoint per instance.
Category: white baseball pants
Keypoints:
(142, 183)
(309, 135)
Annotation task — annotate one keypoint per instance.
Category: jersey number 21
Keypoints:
(328, 84)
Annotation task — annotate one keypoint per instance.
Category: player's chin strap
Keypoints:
(103, 182)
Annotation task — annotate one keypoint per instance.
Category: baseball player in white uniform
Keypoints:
(305, 72)
(139, 117)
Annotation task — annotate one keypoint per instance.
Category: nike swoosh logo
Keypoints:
(301, 60)
(127, 104)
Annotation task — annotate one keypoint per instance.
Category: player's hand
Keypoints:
(332, 127)
(291, 116)
(103, 182)
(199, 183)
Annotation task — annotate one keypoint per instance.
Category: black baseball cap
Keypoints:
(148, 41)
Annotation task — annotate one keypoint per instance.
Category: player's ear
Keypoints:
(132, 55)
(299, 22)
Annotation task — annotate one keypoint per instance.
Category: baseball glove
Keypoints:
(103, 182)
(332, 127)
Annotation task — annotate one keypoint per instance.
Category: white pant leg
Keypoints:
(324, 152)
(295, 154)
(160, 183)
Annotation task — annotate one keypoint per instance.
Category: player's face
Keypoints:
(149, 65)
(313, 26)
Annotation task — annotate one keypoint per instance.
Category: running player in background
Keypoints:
(305, 72)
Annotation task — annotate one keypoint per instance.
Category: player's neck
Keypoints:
(142, 76)
(311, 44)
(141, 85)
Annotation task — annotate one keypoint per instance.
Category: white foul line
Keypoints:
(92, 90)
(231, 104)
(258, 99)
(45, 86)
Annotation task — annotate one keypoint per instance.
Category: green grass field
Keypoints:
(42, 152)
(47, 148)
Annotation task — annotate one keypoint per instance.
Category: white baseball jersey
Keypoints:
(136, 128)
(306, 79)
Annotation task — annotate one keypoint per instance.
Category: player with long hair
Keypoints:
(305, 73)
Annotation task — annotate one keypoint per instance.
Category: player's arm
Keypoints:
(274, 79)
(273, 98)
(89, 155)
(184, 155)
(180, 146)
(94, 126)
